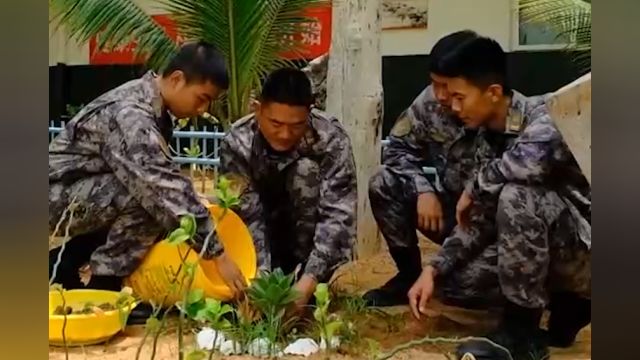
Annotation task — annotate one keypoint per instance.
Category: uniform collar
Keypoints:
(153, 92)
(515, 116)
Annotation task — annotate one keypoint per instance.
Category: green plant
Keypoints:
(208, 311)
(72, 110)
(272, 293)
(329, 324)
(247, 325)
(251, 34)
(59, 289)
(184, 233)
(569, 19)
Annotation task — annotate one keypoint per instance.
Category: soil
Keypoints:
(397, 327)
(84, 308)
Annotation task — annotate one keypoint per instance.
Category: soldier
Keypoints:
(298, 180)
(402, 197)
(112, 161)
(523, 238)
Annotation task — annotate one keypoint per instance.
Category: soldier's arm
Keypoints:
(407, 151)
(336, 228)
(139, 157)
(464, 244)
(527, 162)
(234, 166)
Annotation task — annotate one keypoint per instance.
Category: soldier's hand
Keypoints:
(305, 288)
(231, 274)
(429, 210)
(421, 292)
(462, 209)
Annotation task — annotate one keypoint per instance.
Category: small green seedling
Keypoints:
(272, 293)
(208, 311)
(196, 355)
(329, 324)
(226, 196)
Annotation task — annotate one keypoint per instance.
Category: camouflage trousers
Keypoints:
(531, 249)
(522, 246)
(393, 199)
(290, 200)
(102, 202)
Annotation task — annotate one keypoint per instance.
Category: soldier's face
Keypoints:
(189, 99)
(282, 125)
(475, 106)
(440, 90)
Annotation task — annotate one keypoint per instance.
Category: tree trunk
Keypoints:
(354, 95)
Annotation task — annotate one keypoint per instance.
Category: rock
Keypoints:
(230, 347)
(335, 342)
(261, 347)
(206, 336)
(304, 347)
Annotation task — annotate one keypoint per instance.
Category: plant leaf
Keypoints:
(196, 355)
(195, 296)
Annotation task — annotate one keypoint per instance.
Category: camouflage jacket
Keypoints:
(245, 157)
(531, 151)
(425, 134)
(126, 132)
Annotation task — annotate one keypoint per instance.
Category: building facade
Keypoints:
(537, 62)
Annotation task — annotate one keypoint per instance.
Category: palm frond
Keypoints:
(251, 34)
(115, 23)
(563, 16)
(569, 19)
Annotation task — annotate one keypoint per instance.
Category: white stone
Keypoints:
(335, 342)
(230, 347)
(261, 347)
(206, 336)
(304, 347)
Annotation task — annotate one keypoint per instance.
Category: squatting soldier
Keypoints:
(523, 238)
(402, 197)
(112, 160)
(297, 173)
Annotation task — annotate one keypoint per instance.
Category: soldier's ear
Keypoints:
(176, 77)
(495, 92)
(256, 105)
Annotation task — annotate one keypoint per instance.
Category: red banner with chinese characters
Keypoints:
(315, 42)
(126, 54)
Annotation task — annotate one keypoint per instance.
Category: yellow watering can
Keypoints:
(152, 281)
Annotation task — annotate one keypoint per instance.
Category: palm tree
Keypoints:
(252, 34)
(569, 19)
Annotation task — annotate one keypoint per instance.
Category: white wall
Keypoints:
(488, 17)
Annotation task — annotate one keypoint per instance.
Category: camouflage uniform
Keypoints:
(113, 159)
(300, 206)
(425, 134)
(530, 231)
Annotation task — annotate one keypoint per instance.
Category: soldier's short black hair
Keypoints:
(287, 86)
(447, 44)
(480, 60)
(200, 61)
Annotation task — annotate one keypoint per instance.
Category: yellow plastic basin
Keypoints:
(84, 329)
(152, 281)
